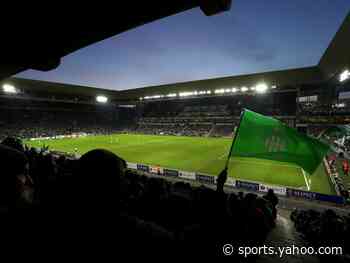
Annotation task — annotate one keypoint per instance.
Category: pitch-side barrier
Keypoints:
(236, 183)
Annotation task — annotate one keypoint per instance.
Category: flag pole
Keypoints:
(234, 139)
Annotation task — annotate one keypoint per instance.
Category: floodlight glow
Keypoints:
(186, 93)
(273, 87)
(227, 90)
(344, 76)
(208, 92)
(219, 91)
(252, 88)
(261, 88)
(171, 95)
(101, 99)
(7, 88)
(234, 90)
(127, 106)
(153, 97)
(244, 89)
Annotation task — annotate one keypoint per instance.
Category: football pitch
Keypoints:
(195, 154)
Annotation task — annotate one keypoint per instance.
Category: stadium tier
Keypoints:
(30, 117)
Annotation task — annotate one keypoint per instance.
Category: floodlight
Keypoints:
(7, 88)
(102, 99)
(344, 76)
(219, 91)
(261, 88)
(244, 89)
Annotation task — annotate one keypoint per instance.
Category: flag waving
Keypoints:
(264, 137)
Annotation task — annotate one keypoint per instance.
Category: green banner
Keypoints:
(264, 137)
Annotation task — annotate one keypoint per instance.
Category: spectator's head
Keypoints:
(14, 143)
(15, 183)
(100, 161)
(270, 192)
(99, 172)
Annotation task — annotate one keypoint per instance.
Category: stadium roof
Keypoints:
(335, 59)
(46, 87)
(286, 78)
(37, 36)
(337, 56)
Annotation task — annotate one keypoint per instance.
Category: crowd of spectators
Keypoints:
(324, 229)
(314, 108)
(338, 180)
(174, 129)
(95, 205)
(188, 121)
(40, 132)
(193, 119)
(223, 130)
(30, 118)
(321, 109)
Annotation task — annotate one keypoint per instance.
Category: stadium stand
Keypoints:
(31, 119)
(185, 121)
(97, 206)
(212, 117)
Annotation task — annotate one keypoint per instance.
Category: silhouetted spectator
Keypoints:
(240, 195)
(273, 199)
(15, 183)
(14, 143)
(221, 180)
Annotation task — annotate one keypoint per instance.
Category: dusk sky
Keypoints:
(254, 36)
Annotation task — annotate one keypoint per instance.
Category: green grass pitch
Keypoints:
(197, 154)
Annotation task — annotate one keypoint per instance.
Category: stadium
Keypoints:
(179, 136)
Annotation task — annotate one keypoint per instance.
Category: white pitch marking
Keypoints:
(307, 184)
(222, 156)
(262, 163)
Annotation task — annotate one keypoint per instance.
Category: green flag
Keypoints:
(264, 137)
